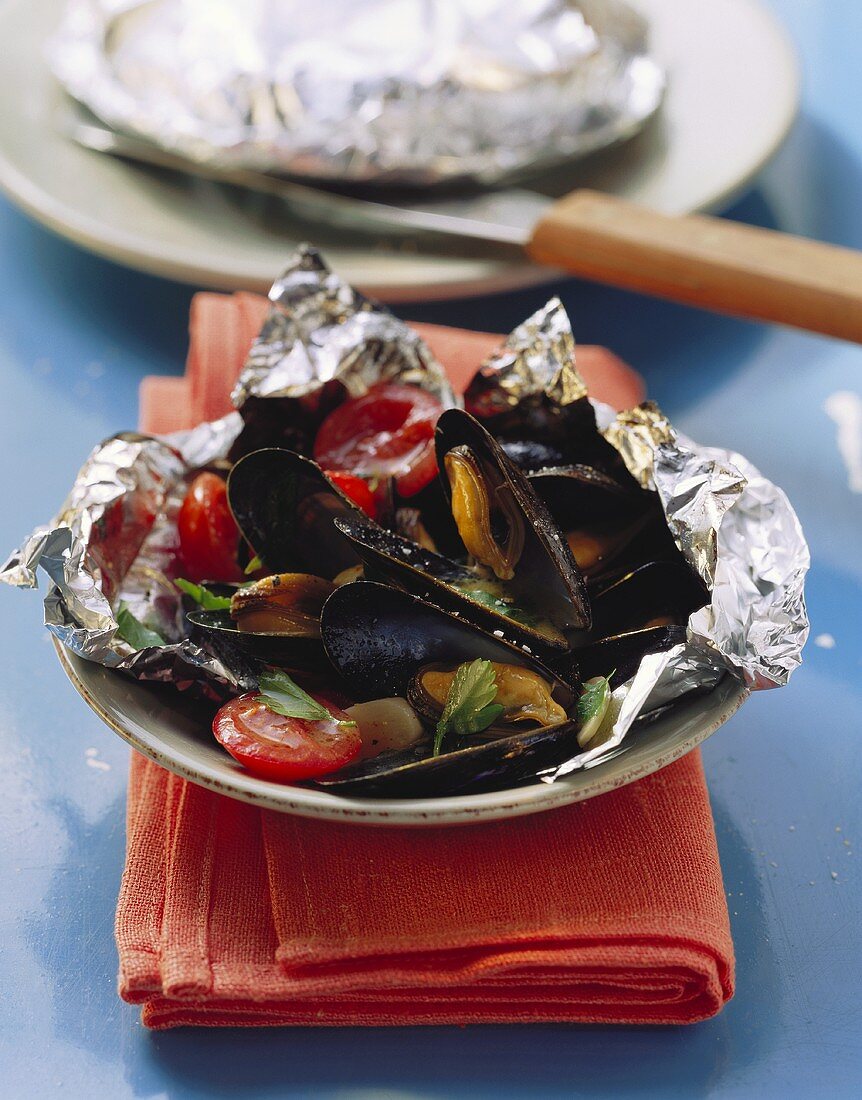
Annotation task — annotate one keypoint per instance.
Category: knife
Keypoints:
(703, 261)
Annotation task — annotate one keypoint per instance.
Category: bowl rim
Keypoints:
(446, 810)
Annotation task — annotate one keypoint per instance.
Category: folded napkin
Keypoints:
(611, 910)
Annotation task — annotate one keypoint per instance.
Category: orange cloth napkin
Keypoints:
(611, 910)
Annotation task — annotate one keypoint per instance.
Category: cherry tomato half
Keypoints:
(209, 536)
(388, 432)
(285, 749)
(354, 488)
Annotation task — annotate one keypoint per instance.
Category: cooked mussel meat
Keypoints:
(285, 603)
(384, 642)
(609, 526)
(485, 512)
(275, 620)
(525, 695)
(505, 527)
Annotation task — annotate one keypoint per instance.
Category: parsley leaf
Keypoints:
(134, 632)
(202, 596)
(280, 693)
(501, 606)
(470, 705)
(253, 565)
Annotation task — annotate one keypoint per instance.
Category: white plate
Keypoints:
(166, 728)
(732, 97)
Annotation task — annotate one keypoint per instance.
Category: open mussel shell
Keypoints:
(660, 593)
(546, 579)
(217, 631)
(389, 557)
(619, 656)
(285, 506)
(644, 611)
(493, 765)
(609, 525)
(569, 429)
(378, 637)
(532, 454)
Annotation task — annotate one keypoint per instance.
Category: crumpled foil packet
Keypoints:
(115, 537)
(320, 332)
(396, 91)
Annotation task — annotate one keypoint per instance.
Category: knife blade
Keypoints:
(711, 263)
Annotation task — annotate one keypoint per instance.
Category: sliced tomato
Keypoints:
(209, 536)
(355, 488)
(388, 432)
(285, 749)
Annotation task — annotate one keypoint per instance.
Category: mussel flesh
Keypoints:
(505, 526)
(608, 526)
(285, 603)
(385, 642)
(275, 620)
(526, 697)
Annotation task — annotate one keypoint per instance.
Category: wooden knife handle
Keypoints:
(707, 262)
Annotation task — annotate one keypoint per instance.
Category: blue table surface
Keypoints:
(77, 334)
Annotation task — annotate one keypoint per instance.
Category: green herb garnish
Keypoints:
(202, 596)
(134, 632)
(470, 705)
(501, 606)
(253, 565)
(592, 706)
(279, 692)
(496, 598)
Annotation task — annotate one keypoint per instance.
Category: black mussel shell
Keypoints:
(659, 593)
(619, 656)
(490, 766)
(547, 580)
(571, 490)
(570, 429)
(532, 454)
(285, 506)
(218, 632)
(389, 557)
(586, 500)
(377, 638)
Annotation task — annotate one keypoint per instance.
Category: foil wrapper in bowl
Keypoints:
(115, 541)
(395, 91)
